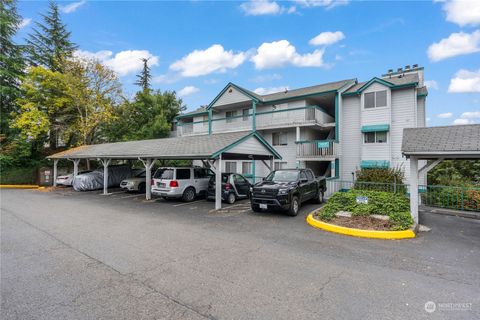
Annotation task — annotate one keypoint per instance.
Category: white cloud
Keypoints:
(328, 4)
(124, 62)
(279, 53)
(460, 121)
(72, 7)
(267, 78)
(188, 90)
(445, 115)
(327, 38)
(203, 62)
(428, 119)
(463, 12)
(470, 115)
(25, 22)
(465, 81)
(261, 7)
(431, 84)
(456, 44)
(263, 91)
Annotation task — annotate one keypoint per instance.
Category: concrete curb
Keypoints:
(19, 186)
(374, 234)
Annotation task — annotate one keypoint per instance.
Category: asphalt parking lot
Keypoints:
(69, 255)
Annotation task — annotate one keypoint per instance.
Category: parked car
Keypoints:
(234, 186)
(287, 190)
(181, 182)
(66, 180)
(135, 183)
(94, 180)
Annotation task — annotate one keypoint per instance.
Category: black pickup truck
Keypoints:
(287, 189)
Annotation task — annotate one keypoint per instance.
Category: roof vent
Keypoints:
(407, 67)
(286, 90)
(390, 70)
(415, 66)
(399, 70)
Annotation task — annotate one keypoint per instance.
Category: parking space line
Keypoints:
(132, 196)
(187, 203)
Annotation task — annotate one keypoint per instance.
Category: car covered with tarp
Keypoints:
(94, 180)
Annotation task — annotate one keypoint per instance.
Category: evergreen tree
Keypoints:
(144, 77)
(50, 43)
(11, 63)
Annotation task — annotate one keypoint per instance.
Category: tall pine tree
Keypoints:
(11, 63)
(144, 76)
(50, 44)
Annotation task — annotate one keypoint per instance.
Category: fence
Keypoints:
(449, 197)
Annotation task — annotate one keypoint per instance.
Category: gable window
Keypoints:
(376, 137)
(279, 139)
(230, 115)
(375, 99)
(245, 114)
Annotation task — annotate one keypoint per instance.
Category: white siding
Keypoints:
(231, 95)
(376, 115)
(421, 113)
(250, 147)
(350, 136)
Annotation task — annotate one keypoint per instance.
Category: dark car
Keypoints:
(287, 189)
(234, 186)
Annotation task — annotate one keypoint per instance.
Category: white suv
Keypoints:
(181, 182)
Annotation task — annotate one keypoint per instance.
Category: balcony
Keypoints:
(317, 149)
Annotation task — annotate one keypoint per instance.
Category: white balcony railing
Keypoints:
(317, 149)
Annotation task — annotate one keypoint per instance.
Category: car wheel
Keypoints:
(188, 194)
(294, 207)
(231, 198)
(255, 208)
(319, 198)
(142, 188)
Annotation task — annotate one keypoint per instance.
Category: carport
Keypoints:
(436, 144)
(212, 149)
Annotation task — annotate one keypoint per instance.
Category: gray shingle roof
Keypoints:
(394, 80)
(455, 139)
(199, 147)
(422, 91)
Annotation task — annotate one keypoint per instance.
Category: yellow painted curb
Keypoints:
(19, 186)
(375, 234)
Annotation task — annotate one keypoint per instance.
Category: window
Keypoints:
(199, 173)
(279, 139)
(183, 174)
(239, 179)
(376, 137)
(230, 115)
(375, 99)
(230, 166)
(164, 174)
(310, 176)
(279, 165)
(246, 114)
(247, 167)
(303, 176)
(205, 120)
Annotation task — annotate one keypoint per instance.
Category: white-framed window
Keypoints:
(230, 166)
(279, 165)
(245, 114)
(246, 167)
(230, 115)
(375, 137)
(205, 120)
(279, 138)
(375, 99)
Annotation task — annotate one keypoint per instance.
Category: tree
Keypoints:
(50, 44)
(144, 76)
(11, 64)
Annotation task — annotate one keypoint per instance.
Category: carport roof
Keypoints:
(452, 142)
(188, 147)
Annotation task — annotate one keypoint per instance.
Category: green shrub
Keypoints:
(22, 175)
(394, 205)
(381, 179)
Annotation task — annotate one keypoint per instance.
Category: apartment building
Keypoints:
(333, 128)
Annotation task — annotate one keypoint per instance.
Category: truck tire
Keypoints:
(188, 194)
(142, 187)
(294, 207)
(319, 197)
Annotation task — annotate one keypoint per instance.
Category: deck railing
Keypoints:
(317, 149)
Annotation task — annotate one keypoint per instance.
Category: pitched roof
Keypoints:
(199, 110)
(457, 140)
(394, 81)
(422, 91)
(188, 147)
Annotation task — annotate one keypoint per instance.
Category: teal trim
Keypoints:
(373, 80)
(313, 141)
(337, 127)
(366, 164)
(323, 144)
(292, 109)
(191, 115)
(209, 121)
(376, 128)
(254, 115)
(337, 168)
(254, 134)
(301, 96)
(381, 81)
(225, 89)
(422, 95)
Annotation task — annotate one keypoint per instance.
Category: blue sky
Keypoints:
(197, 47)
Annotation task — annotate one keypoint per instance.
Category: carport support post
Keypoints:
(414, 189)
(218, 183)
(75, 167)
(105, 163)
(55, 164)
(148, 177)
